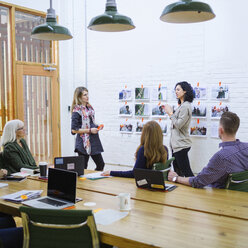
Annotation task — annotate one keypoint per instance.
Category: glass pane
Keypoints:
(37, 116)
(6, 97)
(27, 49)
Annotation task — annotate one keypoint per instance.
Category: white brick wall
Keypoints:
(155, 52)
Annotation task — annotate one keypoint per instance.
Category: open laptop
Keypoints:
(76, 163)
(61, 191)
(151, 179)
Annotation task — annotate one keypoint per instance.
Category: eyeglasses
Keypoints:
(21, 128)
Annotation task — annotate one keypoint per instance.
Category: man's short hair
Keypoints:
(230, 122)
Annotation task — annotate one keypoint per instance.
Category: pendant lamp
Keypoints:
(111, 20)
(187, 11)
(51, 30)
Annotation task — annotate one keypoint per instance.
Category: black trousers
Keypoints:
(98, 159)
(181, 163)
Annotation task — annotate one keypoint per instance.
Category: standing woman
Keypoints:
(16, 154)
(180, 120)
(83, 124)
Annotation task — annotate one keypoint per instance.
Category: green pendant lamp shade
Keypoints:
(51, 30)
(111, 20)
(187, 11)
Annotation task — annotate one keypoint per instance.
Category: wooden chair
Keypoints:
(238, 181)
(49, 228)
(165, 167)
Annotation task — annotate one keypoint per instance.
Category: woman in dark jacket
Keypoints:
(16, 154)
(151, 150)
(83, 124)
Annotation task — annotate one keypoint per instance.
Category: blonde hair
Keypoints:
(77, 97)
(152, 140)
(9, 131)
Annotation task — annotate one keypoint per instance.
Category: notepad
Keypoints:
(95, 175)
(22, 195)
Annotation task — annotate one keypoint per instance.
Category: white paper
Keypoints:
(17, 196)
(21, 174)
(3, 185)
(108, 216)
(96, 175)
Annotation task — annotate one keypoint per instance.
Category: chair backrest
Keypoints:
(59, 228)
(165, 167)
(238, 181)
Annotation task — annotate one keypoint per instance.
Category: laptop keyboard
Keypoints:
(52, 202)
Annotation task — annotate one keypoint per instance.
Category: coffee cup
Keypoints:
(124, 201)
(43, 169)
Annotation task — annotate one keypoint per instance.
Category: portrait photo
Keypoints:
(158, 111)
(220, 92)
(125, 95)
(198, 128)
(125, 110)
(139, 126)
(141, 109)
(199, 110)
(217, 110)
(200, 92)
(126, 126)
(163, 125)
(142, 94)
(159, 93)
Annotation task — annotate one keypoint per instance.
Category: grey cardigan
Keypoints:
(180, 122)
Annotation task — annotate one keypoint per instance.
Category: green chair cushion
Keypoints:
(238, 181)
(164, 166)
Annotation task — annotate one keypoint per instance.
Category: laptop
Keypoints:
(76, 163)
(151, 179)
(61, 191)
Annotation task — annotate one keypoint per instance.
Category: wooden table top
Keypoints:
(215, 201)
(149, 224)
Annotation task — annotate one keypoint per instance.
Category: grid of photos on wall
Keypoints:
(141, 104)
(219, 94)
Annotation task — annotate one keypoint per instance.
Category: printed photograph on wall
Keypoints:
(220, 92)
(142, 94)
(163, 125)
(214, 129)
(198, 128)
(125, 95)
(199, 110)
(141, 109)
(159, 93)
(217, 110)
(139, 126)
(125, 110)
(158, 111)
(126, 126)
(200, 92)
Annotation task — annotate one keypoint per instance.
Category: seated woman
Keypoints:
(16, 154)
(151, 150)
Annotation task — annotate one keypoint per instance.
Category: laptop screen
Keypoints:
(62, 184)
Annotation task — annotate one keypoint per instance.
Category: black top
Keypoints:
(96, 146)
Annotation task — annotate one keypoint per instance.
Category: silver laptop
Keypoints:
(75, 163)
(61, 191)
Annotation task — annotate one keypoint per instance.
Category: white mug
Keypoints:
(124, 201)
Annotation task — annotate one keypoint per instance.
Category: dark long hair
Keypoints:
(189, 95)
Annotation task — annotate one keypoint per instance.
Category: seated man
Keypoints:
(233, 157)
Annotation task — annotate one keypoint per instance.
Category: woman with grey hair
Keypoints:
(16, 154)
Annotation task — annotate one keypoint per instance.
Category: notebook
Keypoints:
(76, 163)
(151, 179)
(61, 190)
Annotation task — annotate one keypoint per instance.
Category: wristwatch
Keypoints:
(174, 179)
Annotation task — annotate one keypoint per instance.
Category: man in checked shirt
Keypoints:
(233, 157)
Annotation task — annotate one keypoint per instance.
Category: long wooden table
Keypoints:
(149, 224)
(215, 201)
